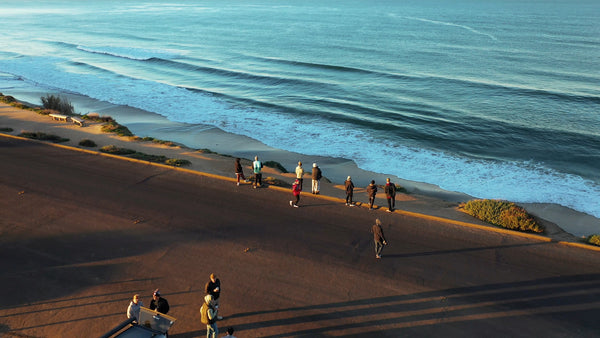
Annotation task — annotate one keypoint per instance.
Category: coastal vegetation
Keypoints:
(112, 149)
(87, 143)
(58, 103)
(43, 136)
(504, 214)
(276, 165)
(593, 240)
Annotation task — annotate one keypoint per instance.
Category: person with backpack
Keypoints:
(390, 193)
(208, 315)
(257, 167)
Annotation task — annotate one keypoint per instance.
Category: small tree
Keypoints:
(58, 103)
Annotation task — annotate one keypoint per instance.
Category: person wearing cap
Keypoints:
(349, 191)
(133, 310)
(300, 173)
(390, 193)
(316, 179)
(158, 303)
(296, 189)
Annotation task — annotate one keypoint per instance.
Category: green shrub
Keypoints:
(58, 103)
(502, 213)
(112, 149)
(205, 151)
(276, 165)
(7, 98)
(87, 143)
(177, 162)
(114, 127)
(594, 240)
(43, 137)
(6, 130)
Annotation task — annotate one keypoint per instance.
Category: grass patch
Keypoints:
(504, 214)
(87, 143)
(176, 162)
(593, 240)
(6, 130)
(43, 137)
(276, 165)
(114, 127)
(205, 151)
(112, 149)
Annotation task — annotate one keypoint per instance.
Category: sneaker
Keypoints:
(347, 204)
(350, 204)
(295, 206)
(388, 210)
(377, 256)
(238, 183)
(219, 317)
(291, 203)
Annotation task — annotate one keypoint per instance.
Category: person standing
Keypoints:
(316, 179)
(378, 237)
(296, 189)
(213, 288)
(133, 310)
(371, 191)
(390, 194)
(239, 172)
(209, 315)
(257, 167)
(349, 191)
(300, 173)
(158, 303)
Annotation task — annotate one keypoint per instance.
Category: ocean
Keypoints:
(495, 98)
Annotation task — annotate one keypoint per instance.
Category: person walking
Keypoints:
(133, 310)
(300, 173)
(349, 191)
(390, 194)
(158, 303)
(378, 237)
(371, 191)
(213, 288)
(239, 172)
(296, 189)
(208, 315)
(316, 179)
(257, 167)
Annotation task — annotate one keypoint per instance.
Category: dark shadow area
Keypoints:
(570, 304)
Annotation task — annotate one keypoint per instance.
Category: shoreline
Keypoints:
(227, 145)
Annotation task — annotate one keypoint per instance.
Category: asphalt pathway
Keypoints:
(81, 233)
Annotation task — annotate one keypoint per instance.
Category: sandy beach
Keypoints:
(562, 223)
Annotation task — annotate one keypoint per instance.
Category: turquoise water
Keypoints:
(495, 99)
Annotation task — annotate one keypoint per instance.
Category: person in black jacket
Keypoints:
(390, 194)
(316, 179)
(349, 191)
(159, 303)
(371, 191)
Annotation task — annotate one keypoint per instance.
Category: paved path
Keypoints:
(81, 233)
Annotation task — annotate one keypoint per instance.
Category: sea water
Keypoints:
(495, 98)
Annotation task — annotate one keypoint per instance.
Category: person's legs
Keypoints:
(238, 178)
(389, 200)
(393, 202)
(318, 187)
(297, 199)
(314, 186)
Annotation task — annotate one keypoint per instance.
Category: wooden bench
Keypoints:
(77, 121)
(59, 117)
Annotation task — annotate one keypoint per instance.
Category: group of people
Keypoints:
(209, 311)
(389, 189)
(297, 185)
